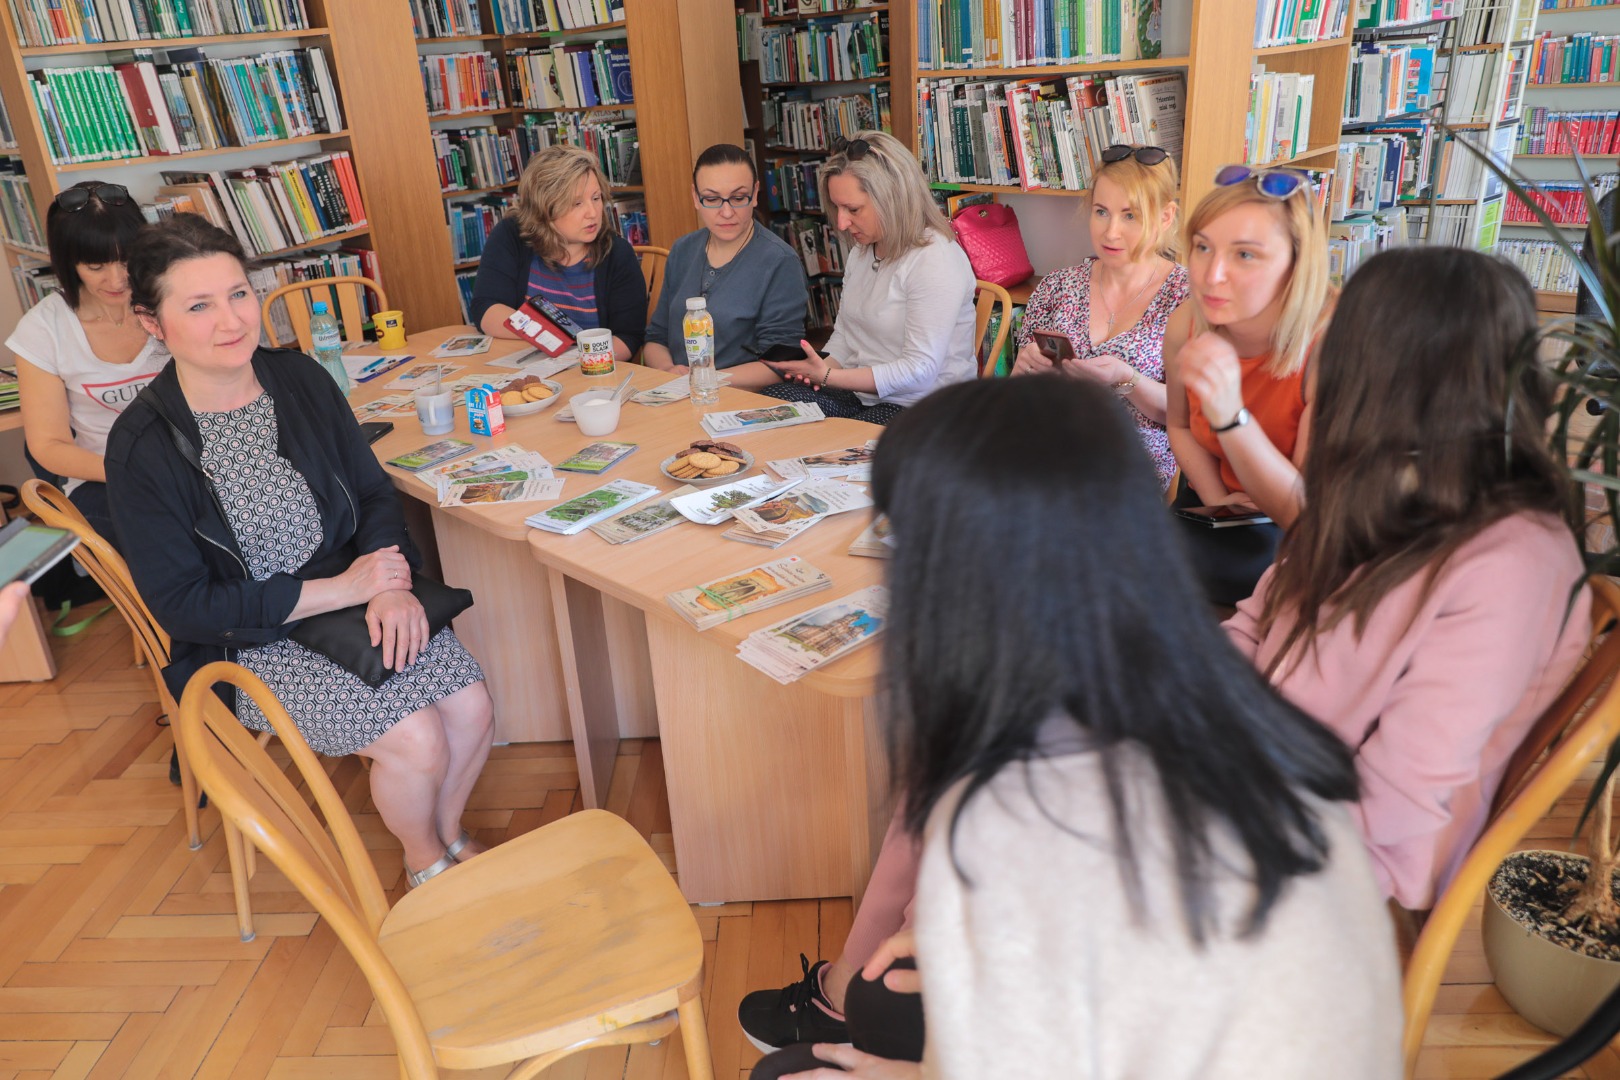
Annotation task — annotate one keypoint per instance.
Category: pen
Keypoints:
(374, 363)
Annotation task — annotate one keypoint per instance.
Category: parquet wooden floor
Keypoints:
(118, 950)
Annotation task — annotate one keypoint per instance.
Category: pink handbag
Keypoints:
(988, 232)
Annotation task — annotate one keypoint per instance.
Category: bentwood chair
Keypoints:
(103, 563)
(652, 268)
(344, 298)
(567, 938)
(987, 297)
(1575, 730)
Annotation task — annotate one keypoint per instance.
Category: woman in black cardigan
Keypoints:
(247, 500)
(557, 242)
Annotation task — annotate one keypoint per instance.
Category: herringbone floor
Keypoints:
(118, 949)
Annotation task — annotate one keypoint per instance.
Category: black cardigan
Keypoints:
(621, 290)
(181, 550)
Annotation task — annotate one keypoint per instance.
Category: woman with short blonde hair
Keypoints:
(557, 242)
(905, 323)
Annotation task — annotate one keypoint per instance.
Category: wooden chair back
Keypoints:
(1579, 727)
(329, 865)
(652, 268)
(344, 298)
(986, 298)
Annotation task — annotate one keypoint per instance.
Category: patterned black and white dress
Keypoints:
(276, 523)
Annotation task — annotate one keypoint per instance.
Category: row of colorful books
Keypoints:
(791, 185)
(1547, 265)
(8, 134)
(19, 219)
(628, 217)
(460, 82)
(1544, 131)
(1416, 136)
(795, 120)
(817, 243)
(1577, 59)
(541, 16)
(576, 76)
(1488, 23)
(279, 205)
(957, 34)
(1563, 200)
(471, 158)
(826, 294)
(1471, 86)
(267, 277)
(831, 51)
(1279, 120)
(1043, 135)
(1373, 14)
(445, 18)
(185, 102)
(471, 222)
(780, 8)
(1389, 78)
(1351, 243)
(1370, 174)
(1291, 22)
(1461, 174)
(91, 22)
(475, 158)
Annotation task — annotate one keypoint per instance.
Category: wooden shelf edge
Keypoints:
(1563, 302)
(542, 34)
(1572, 86)
(465, 265)
(468, 193)
(569, 108)
(457, 37)
(1308, 155)
(172, 43)
(1303, 46)
(806, 16)
(1049, 70)
(468, 115)
(335, 238)
(149, 159)
(1013, 189)
(827, 82)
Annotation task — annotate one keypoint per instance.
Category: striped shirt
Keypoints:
(571, 288)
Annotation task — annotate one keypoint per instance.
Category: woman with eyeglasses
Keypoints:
(752, 281)
(557, 243)
(1123, 308)
(84, 357)
(905, 323)
(1238, 404)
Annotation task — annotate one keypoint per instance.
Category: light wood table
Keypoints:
(774, 791)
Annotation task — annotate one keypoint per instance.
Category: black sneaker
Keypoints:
(773, 1019)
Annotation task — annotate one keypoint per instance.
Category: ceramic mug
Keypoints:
(437, 411)
(390, 329)
(596, 351)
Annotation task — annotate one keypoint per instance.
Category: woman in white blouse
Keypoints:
(905, 324)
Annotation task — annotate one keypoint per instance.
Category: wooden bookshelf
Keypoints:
(174, 43)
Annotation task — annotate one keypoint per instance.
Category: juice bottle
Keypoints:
(698, 329)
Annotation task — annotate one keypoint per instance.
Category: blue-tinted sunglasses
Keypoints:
(1273, 183)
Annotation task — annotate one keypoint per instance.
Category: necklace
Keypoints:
(708, 251)
(104, 317)
(1109, 330)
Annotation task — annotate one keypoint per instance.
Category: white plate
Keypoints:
(532, 407)
(711, 481)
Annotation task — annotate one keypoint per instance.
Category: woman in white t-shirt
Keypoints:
(82, 355)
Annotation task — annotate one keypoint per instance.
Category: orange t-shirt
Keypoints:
(1275, 404)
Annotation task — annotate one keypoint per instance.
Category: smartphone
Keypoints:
(782, 354)
(28, 549)
(375, 429)
(1056, 347)
(1222, 517)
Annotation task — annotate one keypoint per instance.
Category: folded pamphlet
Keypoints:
(788, 650)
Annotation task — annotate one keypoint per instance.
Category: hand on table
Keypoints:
(399, 624)
(1210, 369)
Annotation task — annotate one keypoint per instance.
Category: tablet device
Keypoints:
(1222, 517)
(28, 549)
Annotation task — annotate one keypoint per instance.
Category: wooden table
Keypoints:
(774, 791)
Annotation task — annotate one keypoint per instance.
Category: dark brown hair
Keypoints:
(1412, 447)
(99, 233)
(158, 247)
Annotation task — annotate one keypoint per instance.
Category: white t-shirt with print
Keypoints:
(51, 338)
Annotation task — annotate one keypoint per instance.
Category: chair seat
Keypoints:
(579, 914)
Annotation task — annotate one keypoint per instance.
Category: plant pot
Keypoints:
(1546, 981)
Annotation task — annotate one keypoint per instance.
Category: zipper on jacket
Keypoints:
(226, 550)
(354, 509)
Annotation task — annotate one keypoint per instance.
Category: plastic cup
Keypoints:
(390, 330)
(596, 412)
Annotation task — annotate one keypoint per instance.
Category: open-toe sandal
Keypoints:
(413, 878)
(459, 844)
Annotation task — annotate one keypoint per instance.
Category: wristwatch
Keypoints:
(1238, 421)
(1124, 387)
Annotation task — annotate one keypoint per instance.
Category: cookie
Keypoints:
(511, 397)
(725, 468)
(727, 448)
(537, 392)
(703, 460)
(682, 471)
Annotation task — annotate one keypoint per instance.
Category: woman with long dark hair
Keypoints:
(1137, 859)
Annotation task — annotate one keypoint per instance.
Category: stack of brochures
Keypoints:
(583, 511)
(775, 522)
(789, 649)
(854, 463)
(505, 474)
(722, 425)
(642, 521)
(735, 595)
(876, 541)
(711, 506)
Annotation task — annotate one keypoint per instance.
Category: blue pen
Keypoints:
(374, 363)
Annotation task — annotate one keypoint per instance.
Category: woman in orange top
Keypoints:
(1239, 395)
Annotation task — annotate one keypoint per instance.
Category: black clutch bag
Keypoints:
(343, 637)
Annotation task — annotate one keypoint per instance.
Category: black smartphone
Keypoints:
(375, 429)
(781, 354)
(28, 549)
(1222, 517)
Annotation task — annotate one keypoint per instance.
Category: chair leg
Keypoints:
(695, 1040)
(188, 797)
(140, 653)
(234, 846)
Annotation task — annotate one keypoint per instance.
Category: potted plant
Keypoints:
(1551, 923)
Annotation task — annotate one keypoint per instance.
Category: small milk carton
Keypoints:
(484, 414)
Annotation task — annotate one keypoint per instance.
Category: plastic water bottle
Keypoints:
(328, 343)
(698, 328)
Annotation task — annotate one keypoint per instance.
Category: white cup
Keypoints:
(596, 352)
(596, 412)
(436, 411)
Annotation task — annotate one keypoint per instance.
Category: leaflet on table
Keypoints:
(385, 408)
(464, 345)
(806, 505)
(735, 595)
(432, 455)
(788, 650)
(853, 463)
(509, 458)
(473, 382)
(498, 488)
(714, 505)
(520, 359)
(642, 521)
(766, 418)
(876, 541)
(585, 510)
(674, 390)
(420, 375)
(363, 367)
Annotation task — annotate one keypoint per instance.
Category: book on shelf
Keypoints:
(460, 82)
(1461, 174)
(834, 50)
(1373, 14)
(1292, 22)
(628, 218)
(1578, 59)
(1590, 132)
(795, 120)
(472, 222)
(780, 8)
(471, 158)
(267, 276)
(1563, 200)
(1043, 134)
(1278, 126)
(277, 205)
(1471, 82)
(570, 75)
(791, 185)
(1547, 265)
(95, 22)
(1389, 78)
(611, 136)
(1352, 242)
(445, 18)
(19, 219)
(965, 34)
(8, 134)
(817, 243)
(141, 106)
(542, 16)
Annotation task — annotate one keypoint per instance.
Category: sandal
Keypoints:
(414, 878)
(459, 845)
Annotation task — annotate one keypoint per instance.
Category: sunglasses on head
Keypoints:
(853, 149)
(1147, 155)
(1273, 183)
(75, 199)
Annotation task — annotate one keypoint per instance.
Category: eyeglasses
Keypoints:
(715, 202)
(1273, 183)
(1147, 155)
(853, 149)
(75, 199)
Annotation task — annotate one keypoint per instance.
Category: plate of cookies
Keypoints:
(707, 462)
(529, 394)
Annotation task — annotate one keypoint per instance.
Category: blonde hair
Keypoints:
(546, 192)
(891, 178)
(1149, 189)
(1306, 296)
